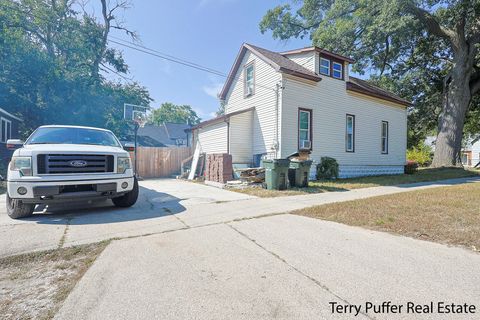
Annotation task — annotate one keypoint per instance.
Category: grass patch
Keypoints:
(34, 285)
(447, 215)
(319, 186)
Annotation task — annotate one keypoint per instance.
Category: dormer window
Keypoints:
(249, 80)
(325, 66)
(337, 70)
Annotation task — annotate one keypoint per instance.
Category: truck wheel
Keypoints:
(17, 209)
(128, 199)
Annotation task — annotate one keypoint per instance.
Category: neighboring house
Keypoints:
(470, 152)
(165, 135)
(8, 130)
(277, 103)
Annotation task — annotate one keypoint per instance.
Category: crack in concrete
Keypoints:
(317, 282)
(176, 217)
(65, 231)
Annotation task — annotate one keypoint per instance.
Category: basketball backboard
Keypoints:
(135, 113)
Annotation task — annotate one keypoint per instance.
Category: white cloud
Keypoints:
(213, 89)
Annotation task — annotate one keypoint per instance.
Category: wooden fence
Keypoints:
(160, 162)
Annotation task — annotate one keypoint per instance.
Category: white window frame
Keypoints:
(341, 70)
(246, 82)
(4, 126)
(352, 149)
(384, 137)
(309, 129)
(329, 66)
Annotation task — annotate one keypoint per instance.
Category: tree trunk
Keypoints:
(456, 101)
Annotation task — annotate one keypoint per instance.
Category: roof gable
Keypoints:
(275, 60)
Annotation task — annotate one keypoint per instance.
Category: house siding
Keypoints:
(214, 138)
(330, 103)
(6, 154)
(264, 102)
(475, 153)
(305, 59)
(241, 138)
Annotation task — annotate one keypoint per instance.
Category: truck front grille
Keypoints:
(74, 163)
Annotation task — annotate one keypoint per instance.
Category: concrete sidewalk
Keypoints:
(279, 267)
(166, 205)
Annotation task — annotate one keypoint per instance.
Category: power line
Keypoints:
(174, 59)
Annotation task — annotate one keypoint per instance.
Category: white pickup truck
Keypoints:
(68, 163)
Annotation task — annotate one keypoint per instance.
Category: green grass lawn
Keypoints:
(319, 186)
(448, 215)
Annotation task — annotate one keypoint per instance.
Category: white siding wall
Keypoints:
(213, 138)
(475, 153)
(241, 137)
(306, 59)
(264, 101)
(330, 103)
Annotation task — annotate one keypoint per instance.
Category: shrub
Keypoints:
(327, 168)
(421, 154)
(411, 167)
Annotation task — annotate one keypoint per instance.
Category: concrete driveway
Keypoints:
(77, 223)
(164, 205)
(278, 267)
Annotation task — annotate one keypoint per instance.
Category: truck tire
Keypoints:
(17, 209)
(128, 199)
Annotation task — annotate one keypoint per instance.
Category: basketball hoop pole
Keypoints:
(137, 126)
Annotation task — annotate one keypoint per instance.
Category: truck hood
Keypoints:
(28, 150)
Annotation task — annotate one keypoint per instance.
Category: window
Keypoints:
(325, 66)
(384, 137)
(337, 70)
(350, 134)
(304, 128)
(249, 80)
(6, 127)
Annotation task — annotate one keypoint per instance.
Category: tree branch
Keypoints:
(432, 24)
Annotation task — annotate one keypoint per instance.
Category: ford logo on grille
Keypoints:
(78, 163)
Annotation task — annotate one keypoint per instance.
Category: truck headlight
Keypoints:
(22, 164)
(123, 164)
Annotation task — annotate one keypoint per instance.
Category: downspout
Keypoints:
(276, 144)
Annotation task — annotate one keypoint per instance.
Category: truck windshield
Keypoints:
(59, 135)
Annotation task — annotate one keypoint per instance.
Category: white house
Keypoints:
(277, 103)
(471, 153)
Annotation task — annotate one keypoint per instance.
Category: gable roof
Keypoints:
(364, 87)
(319, 50)
(164, 135)
(274, 59)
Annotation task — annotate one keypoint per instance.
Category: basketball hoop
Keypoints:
(138, 115)
(139, 118)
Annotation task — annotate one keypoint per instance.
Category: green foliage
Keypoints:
(327, 168)
(421, 155)
(169, 112)
(50, 75)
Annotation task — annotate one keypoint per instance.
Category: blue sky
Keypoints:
(207, 32)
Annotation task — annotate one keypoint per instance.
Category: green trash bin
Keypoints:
(276, 173)
(299, 172)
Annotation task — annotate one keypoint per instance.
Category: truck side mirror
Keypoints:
(13, 144)
(130, 147)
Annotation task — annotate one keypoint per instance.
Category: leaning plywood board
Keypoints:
(196, 156)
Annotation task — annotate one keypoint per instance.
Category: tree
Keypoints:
(53, 61)
(169, 112)
(401, 39)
